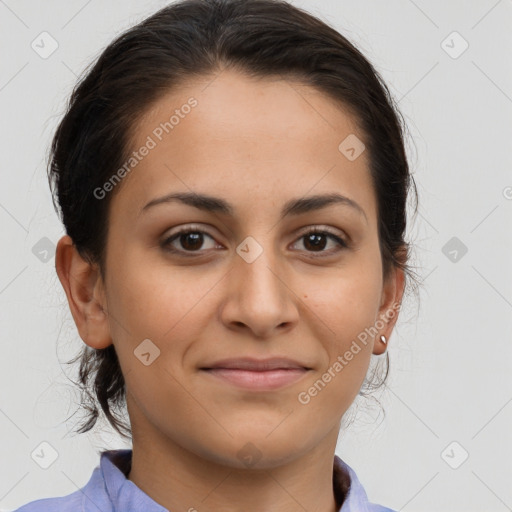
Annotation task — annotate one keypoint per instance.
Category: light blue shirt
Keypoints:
(109, 490)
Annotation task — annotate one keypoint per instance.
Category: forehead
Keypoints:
(257, 141)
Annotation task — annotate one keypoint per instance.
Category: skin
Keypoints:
(256, 143)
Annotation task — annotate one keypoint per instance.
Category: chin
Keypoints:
(255, 450)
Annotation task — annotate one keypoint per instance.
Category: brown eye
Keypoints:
(316, 241)
(190, 239)
(191, 242)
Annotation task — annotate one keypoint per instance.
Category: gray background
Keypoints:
(450, 357)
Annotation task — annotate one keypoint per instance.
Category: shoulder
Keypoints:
(355, 497)
(373, 507)
(90, 498)
(72, 502)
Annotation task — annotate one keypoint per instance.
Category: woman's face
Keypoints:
(248, 282)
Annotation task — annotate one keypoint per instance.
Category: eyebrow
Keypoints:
(291, 208)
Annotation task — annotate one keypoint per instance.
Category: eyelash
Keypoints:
(191, 229)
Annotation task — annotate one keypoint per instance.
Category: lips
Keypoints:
(257, 365)
(257, 375)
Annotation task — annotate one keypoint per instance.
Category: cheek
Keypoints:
(158, 302)
(346, 346)
(346, 304)
(144, 294)
(166, 310)
(346, 310)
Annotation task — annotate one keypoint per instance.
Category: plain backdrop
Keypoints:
(445, 443)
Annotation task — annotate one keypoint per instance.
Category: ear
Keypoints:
(85, 292)
(392, 293)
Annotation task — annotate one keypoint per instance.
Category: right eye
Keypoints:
(189, 237)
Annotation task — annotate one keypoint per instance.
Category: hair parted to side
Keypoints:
(192, 38)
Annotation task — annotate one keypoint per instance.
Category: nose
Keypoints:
(260, 297)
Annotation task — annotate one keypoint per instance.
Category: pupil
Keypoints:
(315, 240)
(195, 237)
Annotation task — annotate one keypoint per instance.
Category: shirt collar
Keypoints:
(345, 477)
(125, 495)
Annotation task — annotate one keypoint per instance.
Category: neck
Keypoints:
(178, 479)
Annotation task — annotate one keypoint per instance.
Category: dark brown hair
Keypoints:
(194, 38)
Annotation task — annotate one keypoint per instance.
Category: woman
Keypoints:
(233, 183)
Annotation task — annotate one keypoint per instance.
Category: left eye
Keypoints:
(316, 239)
(192, 239)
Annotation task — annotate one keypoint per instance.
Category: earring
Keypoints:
(383, 339)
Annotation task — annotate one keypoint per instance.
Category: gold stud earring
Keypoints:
(383, 339)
